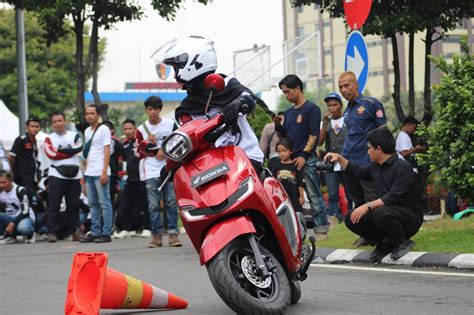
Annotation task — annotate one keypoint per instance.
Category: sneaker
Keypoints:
(146, 233)
(8, 240)
(31, 239)
(402, 250)
(103, 239)
(174, 241)
(157, 241)
(88, 239)
(122, 234)
(52, 238)
(380, 251)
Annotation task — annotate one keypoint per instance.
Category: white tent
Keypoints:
(9, 131)
(8, 126)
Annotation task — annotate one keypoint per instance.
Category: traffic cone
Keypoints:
(92, 286)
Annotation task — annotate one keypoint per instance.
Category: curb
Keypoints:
(413, 259)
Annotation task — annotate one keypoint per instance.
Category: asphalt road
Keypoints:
(33, 280)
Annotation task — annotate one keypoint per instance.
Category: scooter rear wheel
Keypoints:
(232, 273)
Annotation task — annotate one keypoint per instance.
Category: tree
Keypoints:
(103, 14)
(50, 68)
(383, 21)
(258, 119)
(451, 136)
(388, 18)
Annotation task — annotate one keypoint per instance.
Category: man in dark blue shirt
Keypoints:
(301, 127)
(362, 115)
(396, 214)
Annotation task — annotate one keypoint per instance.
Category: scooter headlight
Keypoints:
(176, 146)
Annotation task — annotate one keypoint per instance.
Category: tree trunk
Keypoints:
(80, 74)
(95, 62)
(396, 82)
(94, 42)
(411, 74)
(427, 85)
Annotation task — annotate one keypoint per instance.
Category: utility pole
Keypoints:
(21, 64)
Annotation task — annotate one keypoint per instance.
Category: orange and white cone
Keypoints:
(92, 286)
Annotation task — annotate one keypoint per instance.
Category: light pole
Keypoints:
(21, 64)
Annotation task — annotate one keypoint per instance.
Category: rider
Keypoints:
(193, 58)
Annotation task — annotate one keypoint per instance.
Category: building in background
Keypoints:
(319, 62)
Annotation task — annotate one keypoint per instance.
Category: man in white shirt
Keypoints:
(97, 177)
(404, 145)
(18, 217)
(62, 148)
(149, 137)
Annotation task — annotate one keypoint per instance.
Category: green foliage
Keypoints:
(451, 137)
(392, 120)
(50, 70)
(167, 8)
(258, 119)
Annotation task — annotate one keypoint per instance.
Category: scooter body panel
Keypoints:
(221, 234)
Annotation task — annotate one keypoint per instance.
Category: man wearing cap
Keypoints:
(362, 115)
(333, 132)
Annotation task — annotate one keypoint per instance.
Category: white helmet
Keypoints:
(190, 57)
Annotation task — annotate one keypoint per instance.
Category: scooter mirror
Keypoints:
(214, 83)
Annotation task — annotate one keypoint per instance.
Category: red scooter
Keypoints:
(241, 223)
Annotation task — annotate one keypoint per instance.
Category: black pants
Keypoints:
(28, 183)
(392, 223)
(70, 189)
(359, 191)
(133, 208)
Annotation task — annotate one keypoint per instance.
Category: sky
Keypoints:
(231, 24)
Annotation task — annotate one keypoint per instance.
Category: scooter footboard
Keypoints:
(222, 234)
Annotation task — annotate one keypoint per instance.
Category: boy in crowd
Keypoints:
(18, 217)
(149, 137)
(133, 206)
(333, 132)
(23, 156)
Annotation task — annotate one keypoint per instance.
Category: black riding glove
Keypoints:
(231, 112)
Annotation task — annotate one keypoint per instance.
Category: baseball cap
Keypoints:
(333, 95)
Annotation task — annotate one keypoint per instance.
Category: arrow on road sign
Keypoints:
(355, 64)
(357, 58)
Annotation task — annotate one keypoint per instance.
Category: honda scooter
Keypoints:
(241, 223)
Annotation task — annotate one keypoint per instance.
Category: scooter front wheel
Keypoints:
(233, 275)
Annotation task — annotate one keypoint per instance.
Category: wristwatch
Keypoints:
(369, 205)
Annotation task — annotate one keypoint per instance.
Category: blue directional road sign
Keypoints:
(357, 58)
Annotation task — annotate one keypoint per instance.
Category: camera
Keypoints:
(325, 166)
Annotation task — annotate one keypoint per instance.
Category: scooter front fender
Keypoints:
(222, 234)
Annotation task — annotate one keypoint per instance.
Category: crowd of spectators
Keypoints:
(99, 187)
(96, 188)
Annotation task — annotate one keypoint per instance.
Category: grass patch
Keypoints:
(440, 236)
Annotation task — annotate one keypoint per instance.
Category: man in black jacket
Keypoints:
(389, 221)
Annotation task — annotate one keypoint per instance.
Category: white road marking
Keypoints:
(376, 269)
